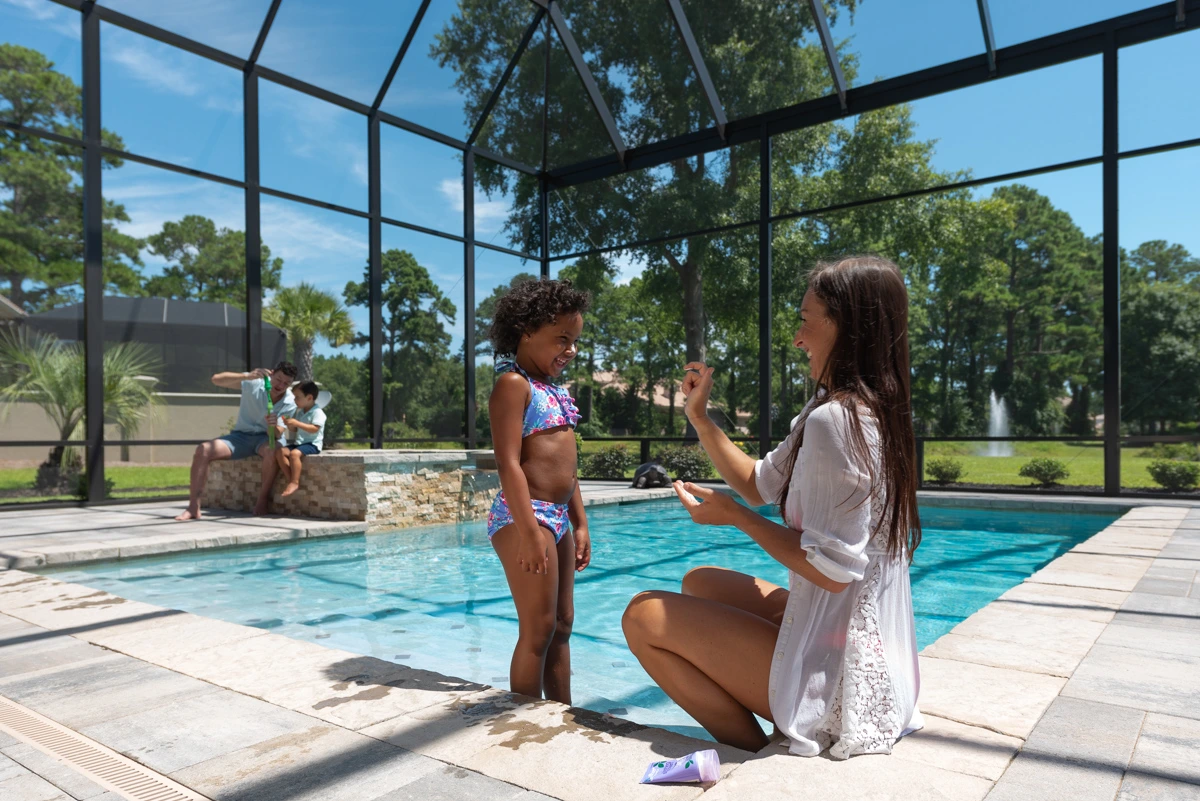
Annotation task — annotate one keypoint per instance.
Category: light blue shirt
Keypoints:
(252, 411)
(313, 417)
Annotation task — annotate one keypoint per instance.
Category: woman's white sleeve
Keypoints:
(771, 472)
(835, 494)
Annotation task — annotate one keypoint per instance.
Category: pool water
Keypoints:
(436, 597)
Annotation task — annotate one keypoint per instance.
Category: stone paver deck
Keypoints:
(1086, 673)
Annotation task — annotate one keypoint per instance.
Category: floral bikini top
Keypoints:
(550, 406)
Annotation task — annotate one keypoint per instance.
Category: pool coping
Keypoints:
(158, 535)
(986, 686)
(133, 531)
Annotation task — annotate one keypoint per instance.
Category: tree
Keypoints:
(305, 313)
(1160, 349)
(41, 194)
(44, 370)
(761, 55)
(206, 263)
(485, 312)
(1157, 261)
(347, 379)
(1053, 312)
(416, 344)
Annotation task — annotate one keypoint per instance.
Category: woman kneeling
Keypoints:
(832, 660)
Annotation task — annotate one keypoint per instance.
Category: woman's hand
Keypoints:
(583, 549)
(717, 509)
(697, 386)
(532, 554)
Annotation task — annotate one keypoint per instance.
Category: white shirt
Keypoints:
(844, 675)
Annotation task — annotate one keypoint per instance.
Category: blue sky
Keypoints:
(185, 109)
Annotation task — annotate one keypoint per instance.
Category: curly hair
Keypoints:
(530, 305)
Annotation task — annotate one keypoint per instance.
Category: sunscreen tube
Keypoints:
(702, 766)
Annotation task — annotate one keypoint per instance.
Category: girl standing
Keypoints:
(536, 523)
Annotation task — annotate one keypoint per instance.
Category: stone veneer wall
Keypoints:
(387, 489)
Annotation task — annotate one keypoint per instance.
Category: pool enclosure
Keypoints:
(367, 177)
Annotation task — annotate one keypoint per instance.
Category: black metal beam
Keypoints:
(375, 280)
(765, 308)
(933, 190)
(320, 204)
(508, 71)
(93, 257)
(264, 31)
(42, 134)
(492, 155)
(408, 38)
(1180, 13)
(1088, 40)
(469, 292)
(501, 249)
(253, 198)
(835, 68)
(697, 59)
(421, 130)
(657, 240)
(544, 225)
(585, 75)
(166, 165)
(420, 229)
(989, 36)
(546, 108)
(1112, 275)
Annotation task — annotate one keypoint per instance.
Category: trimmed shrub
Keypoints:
(686, 462)
(944, 471)
(1046, 472)
(592, 429)
(609, 462)
(1183, 451)
(1175, 476)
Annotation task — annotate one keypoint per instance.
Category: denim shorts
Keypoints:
(308, 449)
(244, 444)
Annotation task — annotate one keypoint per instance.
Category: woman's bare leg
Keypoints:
(556, 676)
(738, 590)
(712, 659)
(536, 599)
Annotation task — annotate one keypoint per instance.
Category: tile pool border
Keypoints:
(982, 703)
(224, 530)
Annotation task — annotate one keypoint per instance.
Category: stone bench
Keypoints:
(387, 488)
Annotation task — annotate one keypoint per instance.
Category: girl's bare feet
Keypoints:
(292, 487)
(191, 513)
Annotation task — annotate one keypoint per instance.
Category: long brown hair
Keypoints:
(869, 367)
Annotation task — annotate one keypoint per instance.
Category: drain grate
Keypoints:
(105, 767)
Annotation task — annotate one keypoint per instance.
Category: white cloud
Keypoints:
(489, 214)
(153, 71)
(62, 21)
(303, 238)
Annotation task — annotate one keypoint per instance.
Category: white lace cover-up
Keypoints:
(844, 674)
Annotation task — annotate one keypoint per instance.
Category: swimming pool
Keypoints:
(436, 598)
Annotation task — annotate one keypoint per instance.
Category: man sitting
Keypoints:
(249, 435)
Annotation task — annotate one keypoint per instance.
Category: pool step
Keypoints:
(103, 766)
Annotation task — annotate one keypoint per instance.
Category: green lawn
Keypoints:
(1085, 461)
(139, 476)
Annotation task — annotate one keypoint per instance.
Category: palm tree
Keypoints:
(305, 313)
(39, 368)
